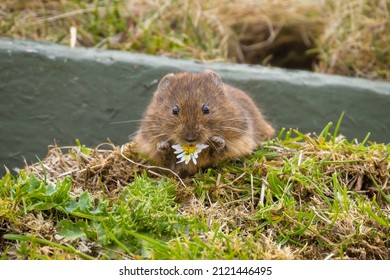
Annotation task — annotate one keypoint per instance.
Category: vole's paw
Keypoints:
(218, 142)
(163, 146)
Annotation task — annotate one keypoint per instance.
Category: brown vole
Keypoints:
(191, 109)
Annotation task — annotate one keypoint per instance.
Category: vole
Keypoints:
(198, 108)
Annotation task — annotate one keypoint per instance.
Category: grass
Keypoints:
(296, 197)
(333, 36)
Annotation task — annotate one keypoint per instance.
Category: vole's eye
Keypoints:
(205, 109)
(175, 110)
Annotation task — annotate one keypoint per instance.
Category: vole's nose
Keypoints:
(190, 137)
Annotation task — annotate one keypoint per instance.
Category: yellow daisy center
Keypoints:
(190, 149)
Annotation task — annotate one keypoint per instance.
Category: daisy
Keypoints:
(186, 153)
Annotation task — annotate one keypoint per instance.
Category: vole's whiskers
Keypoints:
(158, 135)
(228, 142)
(211, 144)
(151, 129)
(230, 128)
(130, 121)
(171, 138)
(239, 118)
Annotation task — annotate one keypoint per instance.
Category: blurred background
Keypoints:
(345, 37)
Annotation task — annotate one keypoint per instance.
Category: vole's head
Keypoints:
(191, 108)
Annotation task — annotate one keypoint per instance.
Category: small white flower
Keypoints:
(186, 153)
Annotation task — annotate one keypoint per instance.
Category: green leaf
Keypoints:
(72, 206)
(71, 230)
(83, 148)
(85, 202)
(275, 184)
(101, 208)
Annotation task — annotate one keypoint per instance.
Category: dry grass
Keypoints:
(274, 33)
(298, 197)
(333, 36)
(101, 170)
(356, 40)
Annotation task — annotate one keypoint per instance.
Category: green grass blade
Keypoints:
(336, 129)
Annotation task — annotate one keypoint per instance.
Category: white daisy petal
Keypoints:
(181, 155)
(187, 153)
(177, 148)
(200, 147)
(181, 160)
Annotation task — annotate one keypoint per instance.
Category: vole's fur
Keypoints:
(190, 109)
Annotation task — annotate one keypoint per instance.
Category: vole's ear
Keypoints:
(165, 81)
(214, 77)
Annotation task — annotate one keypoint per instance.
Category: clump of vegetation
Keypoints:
(333, 36)
(296, 197)
(356, 41)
